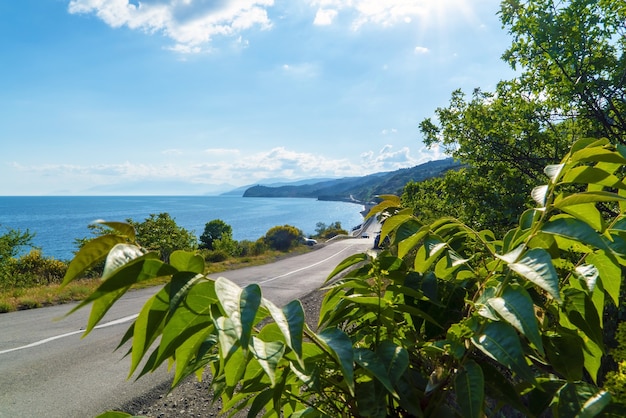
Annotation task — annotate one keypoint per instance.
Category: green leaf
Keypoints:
(268, 354)
(347, 263)
(120, 255)
(517, 308)
(229, 295)
(341, 347)
(539, 195)
(582, 313)
(395, 359)
(250, 301)
(118, 283)
(536, 266)
(499, 387)
(565, 353)
(610, 273)
(589, 275)
(190, 320)
(553, 171)
(587, 197)
(499, 341)
(260, 401)
(290, 321)
(597, 154)
(148, 326)
(91, 253)
(121, 228)
(592, 175)
(595, 404)
(411, 242)
(427, 254)
(186, 261)
(369, 361)
(579, 399)
(574, 229)
(587, 213)
(114, 414)
(469, 386)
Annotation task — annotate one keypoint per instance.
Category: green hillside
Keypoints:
(361, 189)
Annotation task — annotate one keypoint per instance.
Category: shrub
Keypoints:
(214, 256)
(252, 248)
(33, 269)
(282, 238)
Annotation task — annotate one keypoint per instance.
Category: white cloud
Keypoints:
(302, 70)
(190, 23)
(390, 12)
(421, 50)
(220, 166)
(325, 17)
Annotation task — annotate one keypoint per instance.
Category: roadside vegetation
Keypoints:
(32, 280)
(500, 291)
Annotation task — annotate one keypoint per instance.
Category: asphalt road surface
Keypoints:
(48, 370)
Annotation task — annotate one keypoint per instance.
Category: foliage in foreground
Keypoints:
(453, 322)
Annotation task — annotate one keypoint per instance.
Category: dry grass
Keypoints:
(37, 297)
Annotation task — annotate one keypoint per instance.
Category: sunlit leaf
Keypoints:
(268, 354)
(119, 255)
(539, 194)
(553, 171)
(576, 230)
(186, 261)
(517, 308)
(536, 266)
(347, 263)
(589, 274)
(92, 252)
(290, 321)
(610, 273)
(587, 174)
(587, 213)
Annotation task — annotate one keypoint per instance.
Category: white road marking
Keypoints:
(306, 267)
(56, 337)
(131, 317)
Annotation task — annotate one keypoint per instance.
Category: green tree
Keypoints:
(571, 61)
(282, 238)
(12, 242)
(160, 233)
(328, 231)
(451, 322)
(214, 230)
(571, 54)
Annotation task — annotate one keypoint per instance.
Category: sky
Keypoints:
(171, 97)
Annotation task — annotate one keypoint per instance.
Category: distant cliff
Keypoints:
(361, 189)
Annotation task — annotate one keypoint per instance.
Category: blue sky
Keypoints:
(198, 96)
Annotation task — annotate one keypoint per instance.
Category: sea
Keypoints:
(57, 221)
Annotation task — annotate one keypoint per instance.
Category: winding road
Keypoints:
(47, 369)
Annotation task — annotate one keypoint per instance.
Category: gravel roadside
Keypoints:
(194, 399)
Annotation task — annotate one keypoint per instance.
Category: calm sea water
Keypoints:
(57, 221)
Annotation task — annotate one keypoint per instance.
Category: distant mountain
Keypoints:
(362, 189)
(239, 191)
